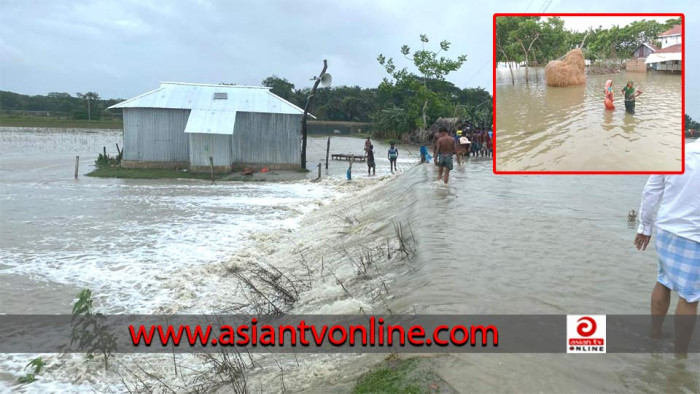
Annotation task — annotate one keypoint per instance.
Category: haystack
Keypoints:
(567, 72)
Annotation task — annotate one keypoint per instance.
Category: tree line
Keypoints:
(535, 41)
(88, 106)
(407, 101)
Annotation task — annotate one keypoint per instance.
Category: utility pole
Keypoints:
(309, 100)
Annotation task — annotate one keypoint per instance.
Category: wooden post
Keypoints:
(118, 151)
(104, 152)
(211, 165)
(306, 111)
(77, 165)
(319, 170)
(328, 148)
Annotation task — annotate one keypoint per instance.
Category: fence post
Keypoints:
(319, 170)
(211, 165)
(77, 165)
(328, 148)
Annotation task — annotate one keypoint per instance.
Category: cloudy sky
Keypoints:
(121, 48)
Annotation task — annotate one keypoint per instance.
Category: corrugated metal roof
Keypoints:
(663, 57)
(209, 115)
(211, 122)
(179, 95)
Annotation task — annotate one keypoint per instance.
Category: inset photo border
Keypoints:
(588, 93)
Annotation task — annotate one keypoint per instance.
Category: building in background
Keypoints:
(670, 56)
(183, 125)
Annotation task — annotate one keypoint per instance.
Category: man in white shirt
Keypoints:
(677, 243)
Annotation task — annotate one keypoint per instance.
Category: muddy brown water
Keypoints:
(485, 244)
(541, 128)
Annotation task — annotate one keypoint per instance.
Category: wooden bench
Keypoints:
(348, 157)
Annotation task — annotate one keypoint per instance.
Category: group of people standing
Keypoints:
(630, 92)
(478, 143)
(446, 144)
(392, 155)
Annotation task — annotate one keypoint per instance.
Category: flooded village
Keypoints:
(287, 191)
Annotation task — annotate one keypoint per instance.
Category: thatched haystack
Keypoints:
(567, 72)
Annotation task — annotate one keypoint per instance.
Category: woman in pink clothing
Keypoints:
(609, 95)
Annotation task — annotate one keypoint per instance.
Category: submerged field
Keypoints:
(543, 128)
(187, 246)
(54, 122)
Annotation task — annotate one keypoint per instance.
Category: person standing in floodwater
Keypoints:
(631, 94)
(393, 154)
(444, 149)
(677, 223)
(371, 167)
(368, 144)
(609, 95)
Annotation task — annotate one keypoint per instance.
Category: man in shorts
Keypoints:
(393, 154)
(444, 149)
(670, 205)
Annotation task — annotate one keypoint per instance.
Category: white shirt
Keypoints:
(677, 197)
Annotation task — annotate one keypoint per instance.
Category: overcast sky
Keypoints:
(121, 48)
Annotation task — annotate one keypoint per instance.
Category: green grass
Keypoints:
(153, 173)
(53, 122)
(139, 173)
(397, 376)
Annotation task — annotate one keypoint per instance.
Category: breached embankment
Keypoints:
(340, 258)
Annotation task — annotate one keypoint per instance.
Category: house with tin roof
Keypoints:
(189, 125)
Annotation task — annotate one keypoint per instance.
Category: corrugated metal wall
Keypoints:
(202, 146)
(155, 134)
(267, 138)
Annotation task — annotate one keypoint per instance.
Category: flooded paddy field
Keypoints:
(483, 244)
(542, 128)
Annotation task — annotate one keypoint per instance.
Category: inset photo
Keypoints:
(588, 93)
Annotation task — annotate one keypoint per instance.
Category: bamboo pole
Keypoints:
(77, 165)
(319, 170)
(328, 148)
(307, 107)
(211, 166)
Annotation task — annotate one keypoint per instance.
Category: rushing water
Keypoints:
(484, 244)
(541, 128)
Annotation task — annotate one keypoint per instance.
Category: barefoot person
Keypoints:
(444, 149)
(631, 93)
(371, 167)
(393, 154)
(677, 244)
(460, 148)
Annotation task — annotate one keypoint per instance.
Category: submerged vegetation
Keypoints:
(37, 365)
(90, 332)
(396, 375)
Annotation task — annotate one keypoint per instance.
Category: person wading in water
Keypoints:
(444, 149)
(631, 94)
(670, 203)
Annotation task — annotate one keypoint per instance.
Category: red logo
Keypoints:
(587, 327)
(586, 333)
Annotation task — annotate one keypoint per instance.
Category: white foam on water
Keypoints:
(125, 260)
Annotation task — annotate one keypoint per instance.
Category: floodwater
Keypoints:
(484, 244)
(541, 128)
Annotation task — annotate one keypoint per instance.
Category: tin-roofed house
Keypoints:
(670, 56)
(183, 125)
